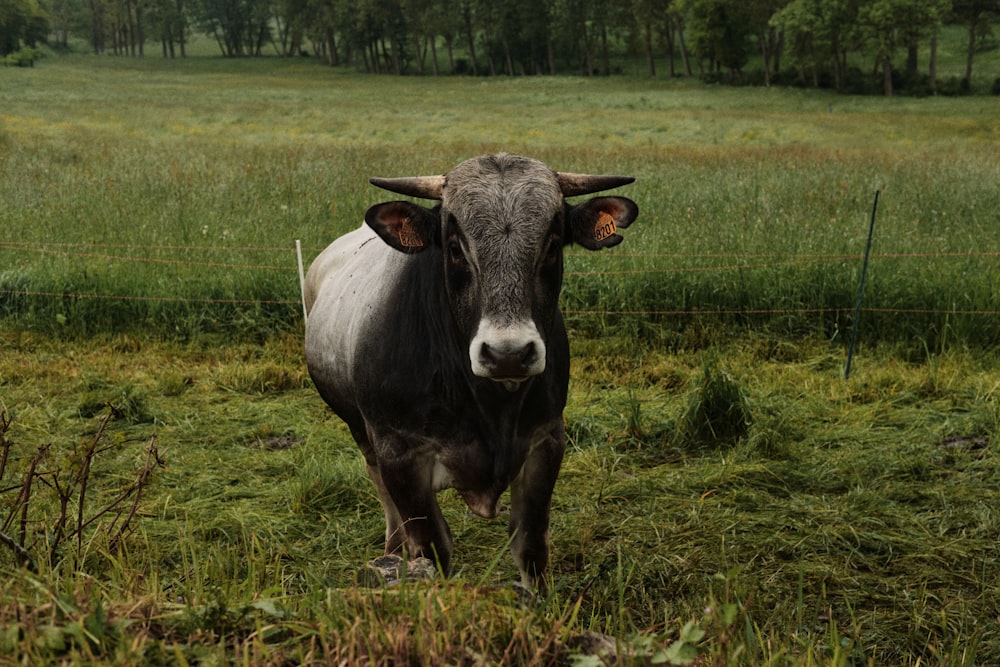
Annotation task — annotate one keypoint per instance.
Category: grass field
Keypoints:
(838, 523)
(728, 497)
(175, 191)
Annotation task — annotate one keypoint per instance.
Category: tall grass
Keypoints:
(165, 197)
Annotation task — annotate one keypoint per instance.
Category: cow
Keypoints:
(435, 334)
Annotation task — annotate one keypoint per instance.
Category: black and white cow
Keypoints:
(435, 334)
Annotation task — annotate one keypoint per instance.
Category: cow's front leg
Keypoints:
(530, 502)
(408, 482)
(393, 522)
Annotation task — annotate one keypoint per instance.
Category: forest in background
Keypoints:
(856, 46)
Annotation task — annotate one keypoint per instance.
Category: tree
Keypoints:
(759, 13)
(879, 18)
(241, 27)
(421, 32)
(588, 28)
(525, 35)
(817, 34)
(98, 24)
(330, 25)
(65, 17)
(487, 13)
(920, 21)
(469, 31)
(389, 24)
(574, 34)
(22, 22)
(126, 27)
(377, 29)
(646, 15)
(448, 24)
(167, 21)
(675, 16)
(891, 22)
(975, 16)
(719, 29)
(290, 18)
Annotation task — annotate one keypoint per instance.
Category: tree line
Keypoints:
(808, 42)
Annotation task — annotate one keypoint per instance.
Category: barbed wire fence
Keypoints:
(718, 262)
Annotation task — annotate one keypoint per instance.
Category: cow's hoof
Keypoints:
(594, 644)
(525, 595)
(392, 569)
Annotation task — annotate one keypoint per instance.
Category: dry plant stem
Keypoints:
(84, 475)
(153, 460)
(78, 486)
(24, 498)
(19, 551)
(5, 423)
(59, 530)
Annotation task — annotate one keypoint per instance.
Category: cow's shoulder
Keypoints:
(344, 290)
(341, 261)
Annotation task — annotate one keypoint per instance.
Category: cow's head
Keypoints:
(501, 228)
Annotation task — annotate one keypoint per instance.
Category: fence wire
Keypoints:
(111, 252)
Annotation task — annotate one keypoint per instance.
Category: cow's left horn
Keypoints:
(425, 187)
(573, 185)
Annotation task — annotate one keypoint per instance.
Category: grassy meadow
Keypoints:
(173, 192)
(182, 495)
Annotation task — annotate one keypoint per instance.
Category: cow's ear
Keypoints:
(405, 226)
(594, 224)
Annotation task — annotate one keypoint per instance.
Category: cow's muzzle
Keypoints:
(507, 354)
(507, 365)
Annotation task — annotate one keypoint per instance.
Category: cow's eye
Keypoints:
(455, 254)
(552, 251)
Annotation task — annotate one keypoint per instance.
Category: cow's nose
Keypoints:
(508, 353)
(505, 364)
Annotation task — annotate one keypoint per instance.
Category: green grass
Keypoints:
(165, 197)
(726, 491)
(837, 523)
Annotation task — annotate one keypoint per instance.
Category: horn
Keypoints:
(585, 184)
(425, 187)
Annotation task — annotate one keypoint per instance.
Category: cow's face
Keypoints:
(502, 236)
(500, 230)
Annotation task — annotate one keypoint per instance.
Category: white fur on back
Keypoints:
(343, 289)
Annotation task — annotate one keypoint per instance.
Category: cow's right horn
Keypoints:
(573, 185)
(425, 187)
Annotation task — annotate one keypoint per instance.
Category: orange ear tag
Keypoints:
(408, 237)
(604, 227)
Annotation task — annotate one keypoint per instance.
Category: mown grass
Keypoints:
(834, 522)
(166, 197)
